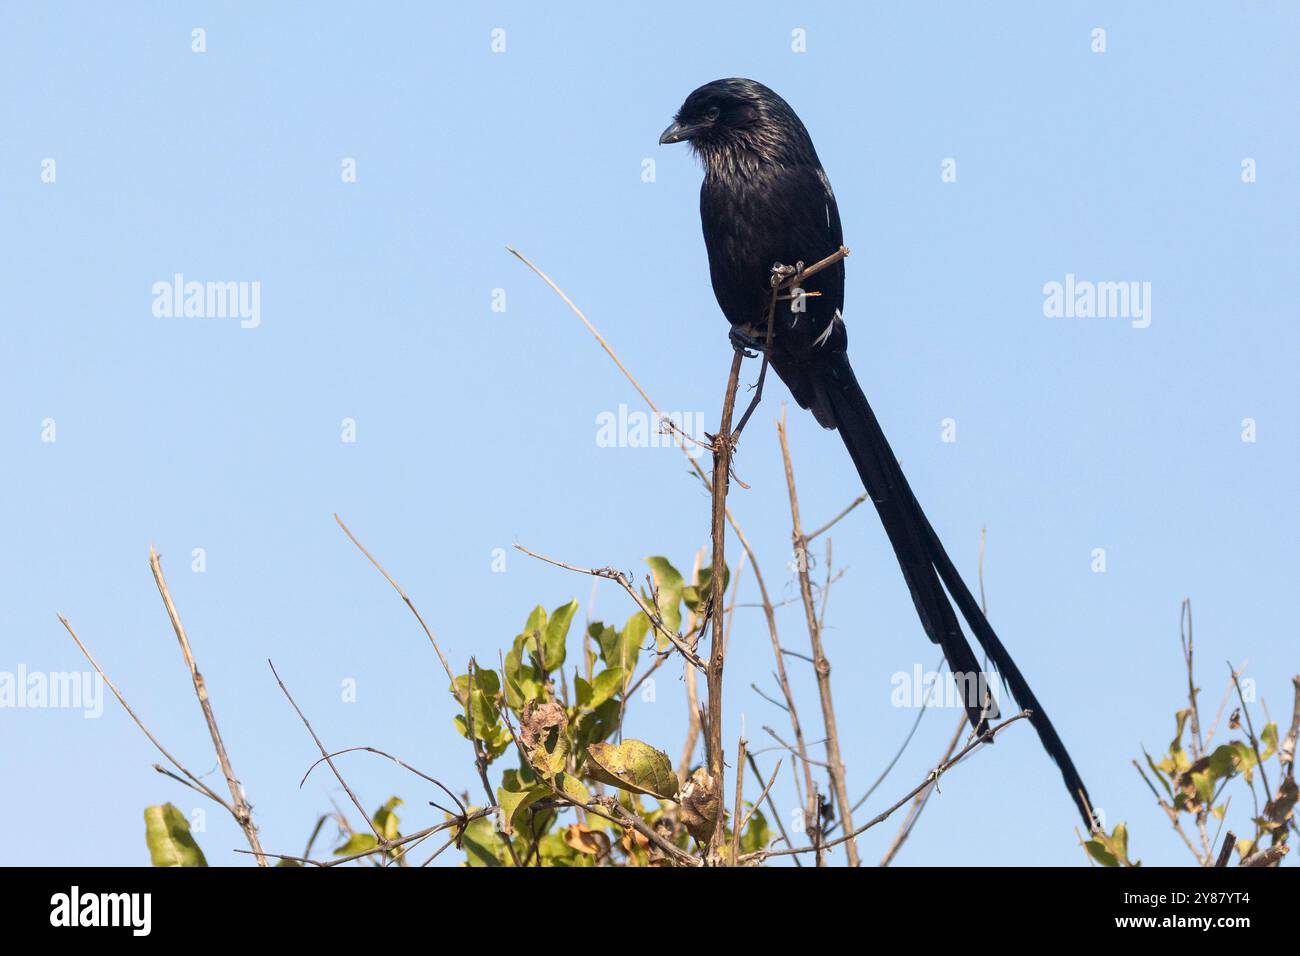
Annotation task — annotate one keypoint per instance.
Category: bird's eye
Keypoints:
(712, 113)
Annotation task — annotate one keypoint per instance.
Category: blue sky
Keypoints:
(476, 429)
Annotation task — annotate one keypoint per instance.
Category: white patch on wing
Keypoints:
(826, 333)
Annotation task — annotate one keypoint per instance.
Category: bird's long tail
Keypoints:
(928, 569)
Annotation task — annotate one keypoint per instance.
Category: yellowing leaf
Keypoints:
(634, 766)
(167, 834)
(586, 840)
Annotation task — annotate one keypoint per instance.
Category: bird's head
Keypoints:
(731, 119)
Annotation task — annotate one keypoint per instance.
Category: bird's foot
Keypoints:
(781, 272)
(744, 340)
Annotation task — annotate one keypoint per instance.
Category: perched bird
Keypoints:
(766, 201)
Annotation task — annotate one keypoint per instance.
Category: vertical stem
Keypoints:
(692, 695)
(820, 663)
(738, 815)
(722, 448)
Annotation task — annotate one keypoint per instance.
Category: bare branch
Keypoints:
(243, 813)
(988, 735)
(193, 782)
(723, 447)
(613, 574)
(821, 665)
(325, 755)
(398, 588)
(834, 521)
(400, 763)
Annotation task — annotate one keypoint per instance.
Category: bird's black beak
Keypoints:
(677, 133)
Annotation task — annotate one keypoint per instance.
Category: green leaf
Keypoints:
(634, 766)
(357, 843)
(1119, 839)
(482, 703)
(556, 635)
(485, 681)
(694, 594)
(1112, 849)
(1176, 745)
(581, 692)
(757, 835)
(386, 820)
(1268, 736)
(606, 684)
(596, 725)
(555, 851)
(482, 844)
(621, 648)
(668, 582)
(1245, 755)
(573, 788)
(167, 834)
(536, 622)
(1100, 854)
(514, 803)
(522, 683)
(1159, 776)
(1223, 761)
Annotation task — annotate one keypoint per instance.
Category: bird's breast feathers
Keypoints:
(775, 214)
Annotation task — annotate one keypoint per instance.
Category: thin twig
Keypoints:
(1185, 638)
(398, 588)
(325, 755)
(902, 749)
(821, 665)
(242, 811)
(613, 574)
(830, 524)
(400, 763)
(922, 799)
(988, 734)
(1250, 727)
(692, 695)
(1172, 814)
(762, 796)
(195, 782)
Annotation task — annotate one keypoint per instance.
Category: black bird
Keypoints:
(766, 200)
